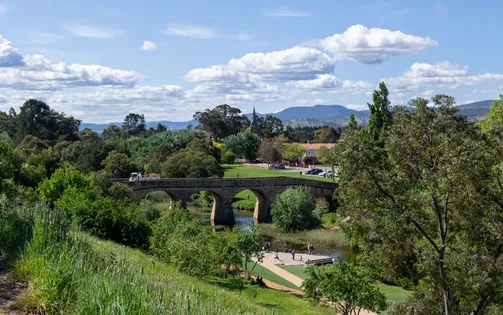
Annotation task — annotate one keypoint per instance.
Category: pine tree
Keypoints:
(380, 114)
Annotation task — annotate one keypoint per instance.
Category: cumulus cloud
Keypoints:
(148, 46)
(9, 55)
(92, 31)
(290, 64)
(330, 83)
(375, 45)
(193, 31)
(285, 12)
(444, 74)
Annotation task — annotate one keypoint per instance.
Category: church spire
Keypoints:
(254, 123)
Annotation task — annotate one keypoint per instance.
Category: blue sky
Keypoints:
(100, 60)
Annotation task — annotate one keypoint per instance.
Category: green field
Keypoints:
(233, 170)
(393, 293)
(271, 276)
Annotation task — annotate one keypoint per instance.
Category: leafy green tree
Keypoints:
(88, 134)
(243, 144)
(242, 246)
(9, 123)
(294, 152)
(111, 132)
(293, 210)
(202, 200)
(37, 119)
(432, 200)
(64, 178)
(134, 124)
(228, 157)
(350, 287)
(161, 128)
(380, 114)
(271, 150)
(10, 159)
(495, 117)
(270, 126)
(118, 165)
(328, 156)
(326, 135)
(222, 121)
(352, 124)
(188, 163)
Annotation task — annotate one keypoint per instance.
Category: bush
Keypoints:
(228, 157)
(293, 210)
(188, 163)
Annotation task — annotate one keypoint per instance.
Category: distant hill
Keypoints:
(317, 115)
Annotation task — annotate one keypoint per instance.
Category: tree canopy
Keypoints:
(222, 121)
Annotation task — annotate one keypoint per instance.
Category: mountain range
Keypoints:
(331, 115)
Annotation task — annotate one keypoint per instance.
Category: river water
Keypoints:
(244, 220)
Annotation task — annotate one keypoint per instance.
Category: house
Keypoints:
(312, 151)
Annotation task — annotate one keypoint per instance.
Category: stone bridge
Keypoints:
(223, 191)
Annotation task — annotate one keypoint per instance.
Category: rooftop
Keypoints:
(316, 146)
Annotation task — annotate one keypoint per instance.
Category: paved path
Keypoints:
(300, 258)
(270, 264)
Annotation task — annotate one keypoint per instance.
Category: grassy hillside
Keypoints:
(79, 274)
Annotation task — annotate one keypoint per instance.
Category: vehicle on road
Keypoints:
(137, 176)
(277, 167)
(314, 171)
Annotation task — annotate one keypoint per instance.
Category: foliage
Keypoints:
(244, 144)
(326, 135)
(111, 132)
(64, 178)
(321, 208)
(301, 134)
(330, 157)
(228, 157)
(188, 163)
(426, 203)
(293, 210)
(271, 150)
(134, 124)
(380, 114)
(202, 200)
(494, 119)
(352, 122)
(269, 126)
(37, 119)
(10, 159)
(293, 152)
(118, 165)
(350, 287)
(222, 121)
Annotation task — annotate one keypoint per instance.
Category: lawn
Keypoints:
(234, 170)
(393, 293)
(271, 276)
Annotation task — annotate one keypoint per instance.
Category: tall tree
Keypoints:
(111, 132)
(380, 114)
(134, 124)
(294, 152)
(433, 193)
(495, 117)
(244, 144)
(326, 135)
(270, 126)
(352, 122)
(37, 119)
(271, 150)
(222, 121)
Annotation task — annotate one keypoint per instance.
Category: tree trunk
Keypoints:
(445, 286)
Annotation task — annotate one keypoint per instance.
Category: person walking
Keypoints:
(267, 245)
(310, 248)
(293, 254)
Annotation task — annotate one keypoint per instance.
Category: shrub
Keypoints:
(293, 210)
(188, 163)
(228, 157)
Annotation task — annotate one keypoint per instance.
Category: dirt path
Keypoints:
(9, 290)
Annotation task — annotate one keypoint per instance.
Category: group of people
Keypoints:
(275, 255)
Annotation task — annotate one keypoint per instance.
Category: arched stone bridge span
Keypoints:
(223, 191)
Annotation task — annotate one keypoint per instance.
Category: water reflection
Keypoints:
(244, 220)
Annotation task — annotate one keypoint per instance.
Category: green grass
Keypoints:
(74, 273)
(393, 293)
(244, 200)
(233, 170)
(271, 276)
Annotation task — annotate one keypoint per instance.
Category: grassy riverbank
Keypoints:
(73, 273)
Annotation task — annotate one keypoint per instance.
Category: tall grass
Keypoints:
(67, 275)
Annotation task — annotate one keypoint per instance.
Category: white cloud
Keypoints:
(375, 45)
(442, 74)
(3, 99)
(4, 8)
(9, 55)
(91, 31)
(330, 83)
(148, 46)
(357, 106)
(193, 31)
(286, 12)
(290, 64)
